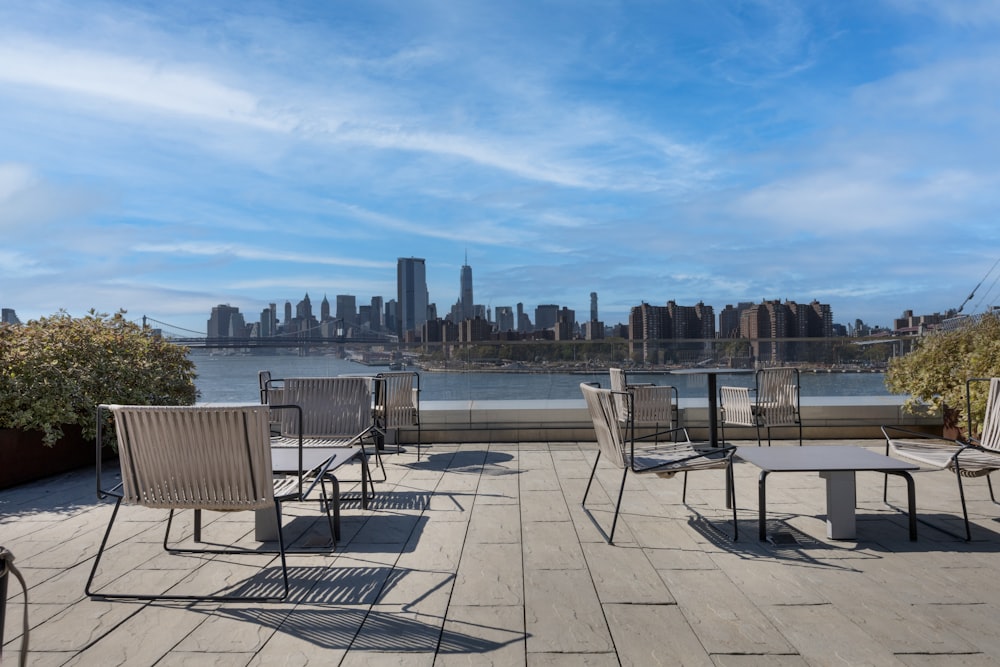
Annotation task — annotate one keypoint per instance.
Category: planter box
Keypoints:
(23, 457)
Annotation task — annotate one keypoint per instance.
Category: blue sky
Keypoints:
(166, 157)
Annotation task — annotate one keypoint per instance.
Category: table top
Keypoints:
(818, 458)
(710, 371)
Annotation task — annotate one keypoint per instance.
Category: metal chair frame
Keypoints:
(980, 456)
(258, 465)
(619, 444)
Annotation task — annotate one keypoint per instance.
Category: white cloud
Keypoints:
(236, 251)
(160, 86)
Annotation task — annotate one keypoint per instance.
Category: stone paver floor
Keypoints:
(481, 554)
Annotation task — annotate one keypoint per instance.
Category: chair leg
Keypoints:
(192, 598)
(589, 481)
(731, 482)
(684, 488)
(334, 520)
(989, 483)
(618, 506)
(100, 550)
(965, 511)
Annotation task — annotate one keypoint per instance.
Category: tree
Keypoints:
(936, 371)
(55, 371)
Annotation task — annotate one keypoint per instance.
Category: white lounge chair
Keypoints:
(336, 413)
(652, 406)
(197, 458)
(397, 403)
(619, 444)
(773, 402)
(974, 457)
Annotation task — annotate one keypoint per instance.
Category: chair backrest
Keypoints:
(653, 404)
(990, 437)
(397, 398)
(603, 412)
(331, 406)
(619, 383)
(736, 406)
(778, 393)
(190, 457)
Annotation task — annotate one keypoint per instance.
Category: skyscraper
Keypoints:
(411, 292)
(593, 306)
(465, 298)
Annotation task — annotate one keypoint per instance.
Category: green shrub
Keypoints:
(936, 371)
(56, 370)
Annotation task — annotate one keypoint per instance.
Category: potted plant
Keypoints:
(935, 373)
(54, 372)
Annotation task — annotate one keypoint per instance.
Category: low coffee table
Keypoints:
(837, 464)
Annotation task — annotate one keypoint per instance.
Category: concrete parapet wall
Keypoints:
(567, 420)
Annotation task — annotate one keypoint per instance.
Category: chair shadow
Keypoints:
(351, 622)
(466, 461)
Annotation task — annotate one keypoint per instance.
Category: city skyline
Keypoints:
(169, 157)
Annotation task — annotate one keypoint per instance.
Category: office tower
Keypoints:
(8, 316)
(546, 316)
(304, 309)
(391, 317)
(324, 310)
(288, 313)
(465, 298)
(593, 306)
(226, 322)
(378, 316)
(411, 293)
(347, 310)
(505, 318)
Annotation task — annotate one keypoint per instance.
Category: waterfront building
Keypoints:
(770, 320)
(917, 324)
(729, 319)
(593, 330)
(474, 330)
(650, 327)
(411, 292)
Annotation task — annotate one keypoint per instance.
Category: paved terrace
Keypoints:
(481, 554)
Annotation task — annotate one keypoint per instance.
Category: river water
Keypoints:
(233, 378)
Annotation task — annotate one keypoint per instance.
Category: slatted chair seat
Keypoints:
(637, 455)
(975, 457)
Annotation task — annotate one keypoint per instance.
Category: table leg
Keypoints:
(762, 506)
(911, 499)
(265, 525)
(713, 408)
(841, 502)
